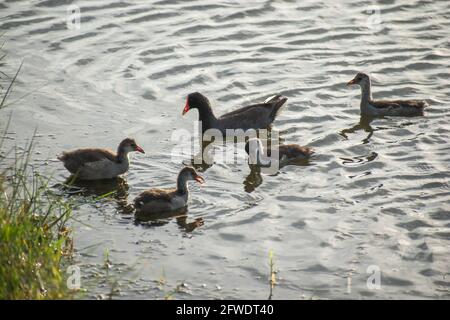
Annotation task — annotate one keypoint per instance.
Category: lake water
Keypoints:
(375, 197)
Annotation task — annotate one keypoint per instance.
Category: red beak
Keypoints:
(351, 82)
(139, 149)
(199, 179)
(186, 107)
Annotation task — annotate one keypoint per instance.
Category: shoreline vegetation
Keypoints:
(35, 242)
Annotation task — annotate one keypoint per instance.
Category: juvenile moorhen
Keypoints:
(155, 200)
(286, 153)
(96, 164)
(372, 107)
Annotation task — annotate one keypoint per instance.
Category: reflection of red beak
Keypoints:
(186, 107)
(351, 82)
(139, 149)
(199, 179)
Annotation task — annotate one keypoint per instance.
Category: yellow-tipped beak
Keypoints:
(199, 179)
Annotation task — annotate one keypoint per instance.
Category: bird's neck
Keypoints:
(366, 92)
(207, 117)
(122, 156)
(182, 184)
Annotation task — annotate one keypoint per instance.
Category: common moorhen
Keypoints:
(256, 116)
(372, 107)
(96, 164)
(286, 153)
(155, 200)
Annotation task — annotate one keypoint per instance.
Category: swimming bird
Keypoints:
(96, 164)
(255, 116)
(288, 153)
(157, 200)
(385, 107)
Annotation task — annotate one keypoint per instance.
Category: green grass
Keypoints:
(34, 239)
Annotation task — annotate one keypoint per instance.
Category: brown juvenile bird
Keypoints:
(156, 200)
(372, 107)
(286, 153)
(96, 164)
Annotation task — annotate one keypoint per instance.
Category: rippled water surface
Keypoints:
(377, 193)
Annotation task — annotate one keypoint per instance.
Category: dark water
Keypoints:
(377, 194)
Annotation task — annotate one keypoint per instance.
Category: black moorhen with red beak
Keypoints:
(256, 116)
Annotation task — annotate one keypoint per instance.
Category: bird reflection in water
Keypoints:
(363, 124)
(202, 161)
(116, 189)
(358, 160)
(254, 179)
(160, 219)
